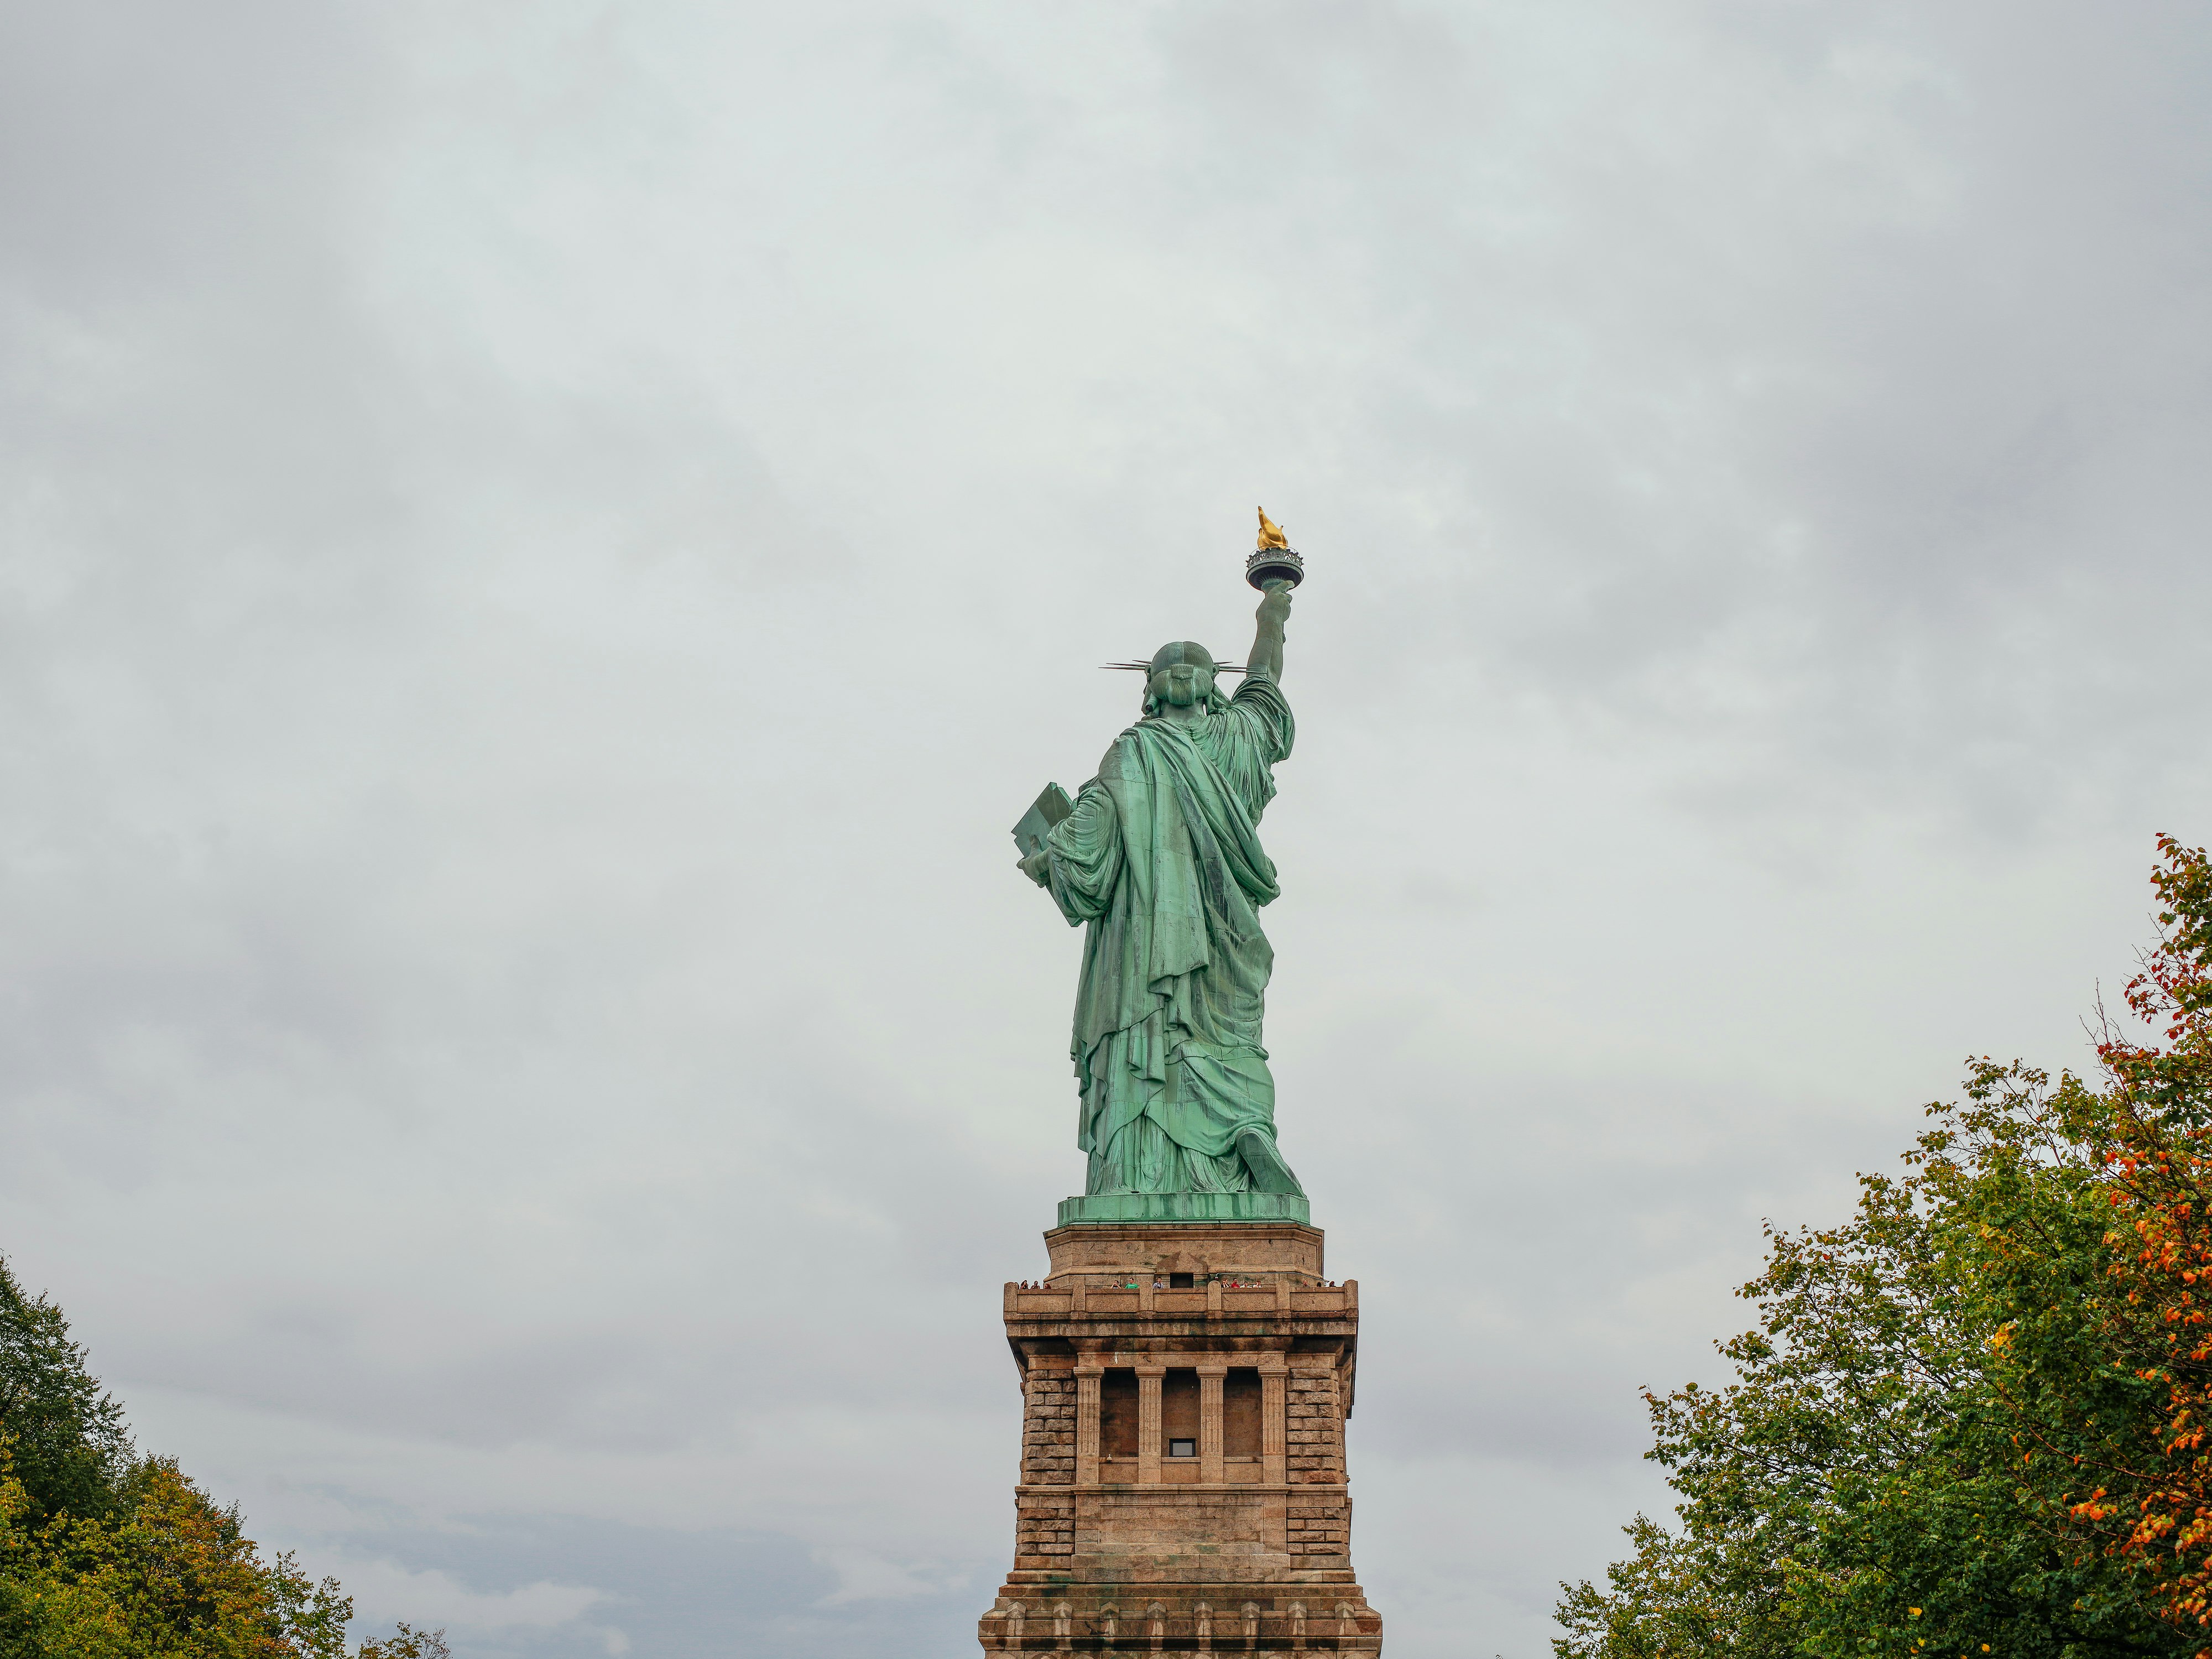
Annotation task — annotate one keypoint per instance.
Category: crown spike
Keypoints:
(1146, 668)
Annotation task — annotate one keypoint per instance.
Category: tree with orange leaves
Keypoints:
(2149, 1130)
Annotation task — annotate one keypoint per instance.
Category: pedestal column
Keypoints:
(1210, 1379)
(1149, 1378)
(1274, 1421)
(1086, 1425)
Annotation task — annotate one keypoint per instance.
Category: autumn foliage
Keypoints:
(1972, 1418)
(2153, 1504)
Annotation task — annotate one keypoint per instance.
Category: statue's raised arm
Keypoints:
(1266, 660)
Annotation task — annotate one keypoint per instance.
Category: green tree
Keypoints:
(1971, 1419)
(170, 1574)
(1893, 1468)
(71, 1450)
(107, 1555)
(408, 1643)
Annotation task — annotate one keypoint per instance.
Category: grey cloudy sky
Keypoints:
(544, 545)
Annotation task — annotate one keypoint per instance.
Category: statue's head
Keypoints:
(1180, 674)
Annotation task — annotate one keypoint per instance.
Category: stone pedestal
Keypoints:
(1182, 1486)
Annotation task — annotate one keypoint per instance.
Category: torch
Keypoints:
(1275, 560)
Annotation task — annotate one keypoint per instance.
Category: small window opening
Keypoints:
(1183, 1282)
(1117, 1414)
(1240, 1413)
(1179, 1412)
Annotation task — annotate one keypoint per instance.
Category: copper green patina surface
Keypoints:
(1160, 861)
(1125, 1207)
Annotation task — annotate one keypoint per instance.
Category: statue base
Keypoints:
(1101, 1208)
(1185, 1385)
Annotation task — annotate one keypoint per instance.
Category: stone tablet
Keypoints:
(1047, 809)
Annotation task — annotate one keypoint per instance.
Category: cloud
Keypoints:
(862, 1576)
(384, 1591)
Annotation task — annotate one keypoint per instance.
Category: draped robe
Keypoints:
(1161, 860)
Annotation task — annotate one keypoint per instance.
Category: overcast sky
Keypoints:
(543, 547)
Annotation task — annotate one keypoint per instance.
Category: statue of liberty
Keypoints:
(1160, 859)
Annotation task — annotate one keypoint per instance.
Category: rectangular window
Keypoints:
(1183, 1449)
(1179, 1411)
(1183, 1282)
(1117, 1414)
(1240, 1413)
